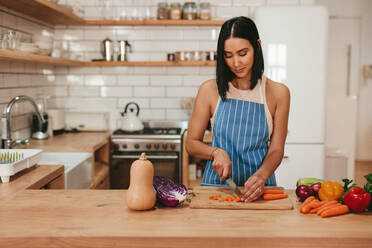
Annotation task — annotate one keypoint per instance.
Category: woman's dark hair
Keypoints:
(239, 27)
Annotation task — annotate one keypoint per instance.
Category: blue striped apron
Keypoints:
(240, 128)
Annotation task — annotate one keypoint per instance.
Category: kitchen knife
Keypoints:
(233, 186)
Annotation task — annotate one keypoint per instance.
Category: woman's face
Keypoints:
(239, 56)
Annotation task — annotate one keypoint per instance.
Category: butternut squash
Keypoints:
(141, 194)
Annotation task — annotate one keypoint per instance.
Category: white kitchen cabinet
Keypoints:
(300, 160)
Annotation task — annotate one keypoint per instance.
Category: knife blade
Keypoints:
(233, 187)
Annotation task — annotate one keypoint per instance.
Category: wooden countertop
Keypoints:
(71, 142)
(32, 178)
(99, 218)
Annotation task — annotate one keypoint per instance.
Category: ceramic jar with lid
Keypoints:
(163, 11)
(189, 11)
(175, 11)
(205, 11)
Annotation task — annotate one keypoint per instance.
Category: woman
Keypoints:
(246, 110)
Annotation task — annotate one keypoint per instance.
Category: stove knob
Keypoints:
(165, 146)
(124, 146)
(156, 146)
(136, 146)
(173, 146)
(148, 146)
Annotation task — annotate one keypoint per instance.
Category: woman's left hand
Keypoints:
(253, 188)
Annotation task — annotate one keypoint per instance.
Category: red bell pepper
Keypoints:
(357, 199)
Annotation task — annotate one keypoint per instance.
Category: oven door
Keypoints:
(165, 164)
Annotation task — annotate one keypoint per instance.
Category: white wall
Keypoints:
(362, 9)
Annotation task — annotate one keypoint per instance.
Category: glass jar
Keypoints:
(189, 11)
(163, 11)
(175, 11)
(205, 11)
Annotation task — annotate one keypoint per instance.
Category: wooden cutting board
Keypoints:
(202, 194)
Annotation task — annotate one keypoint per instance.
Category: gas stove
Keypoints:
(156, 136)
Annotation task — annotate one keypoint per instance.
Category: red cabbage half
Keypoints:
(169, 193)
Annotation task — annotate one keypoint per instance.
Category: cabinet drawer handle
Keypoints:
(285, 156)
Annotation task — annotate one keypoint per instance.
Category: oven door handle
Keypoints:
(147, 156)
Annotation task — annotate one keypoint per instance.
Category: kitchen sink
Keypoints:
(78, 167)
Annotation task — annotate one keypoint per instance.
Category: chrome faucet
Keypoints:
(8, 143)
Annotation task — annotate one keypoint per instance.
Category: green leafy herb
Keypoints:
(368, 188)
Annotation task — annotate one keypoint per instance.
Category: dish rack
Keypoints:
(16, 160)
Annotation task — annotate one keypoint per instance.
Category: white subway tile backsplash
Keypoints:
(165, 80)
(187, 70)
(60, 91)
(84, 70)
(181, 91)
(176, 114)
(208, 70)
(149, 70)
(167, 103)
(195, 80)
(101, 80)
(11, 80)
(99, 34)
(69, 34)
(133, 80)
(4, 66)
(204, 34)
(149, 91)
(94, 104)
(166, 35)
(129, 34)
(16, 67)
(83, 91)
(142, 102)
(85, 46)
(117, 70)
(208, 45)
(152, 114)
(116, 91)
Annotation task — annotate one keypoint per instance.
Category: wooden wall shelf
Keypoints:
(55, 14)
(154, 22)
(152, 63)
(44, 10)
(27, 57)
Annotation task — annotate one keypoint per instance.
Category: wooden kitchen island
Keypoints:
(91, 218)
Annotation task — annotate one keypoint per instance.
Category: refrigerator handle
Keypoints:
(348, 70)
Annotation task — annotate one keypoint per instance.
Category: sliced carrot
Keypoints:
(306, 209)
(273, 191)
(321, 204)
(320, 211)
(212, 197)
(307, 200)
(274, 196)
(337, 210)
(238, 199)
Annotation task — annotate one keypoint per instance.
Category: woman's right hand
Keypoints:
(221, 163)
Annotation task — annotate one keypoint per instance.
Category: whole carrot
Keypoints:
(306, 209)
(329, 203)
(337, 210)
(320, 211)
(307, 200)
(273, 191)
(322, 203)
(274, 196)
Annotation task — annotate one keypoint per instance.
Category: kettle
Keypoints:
(130, 121)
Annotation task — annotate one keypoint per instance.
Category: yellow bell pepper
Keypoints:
(330, 191)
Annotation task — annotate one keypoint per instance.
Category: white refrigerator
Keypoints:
(294, 42)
